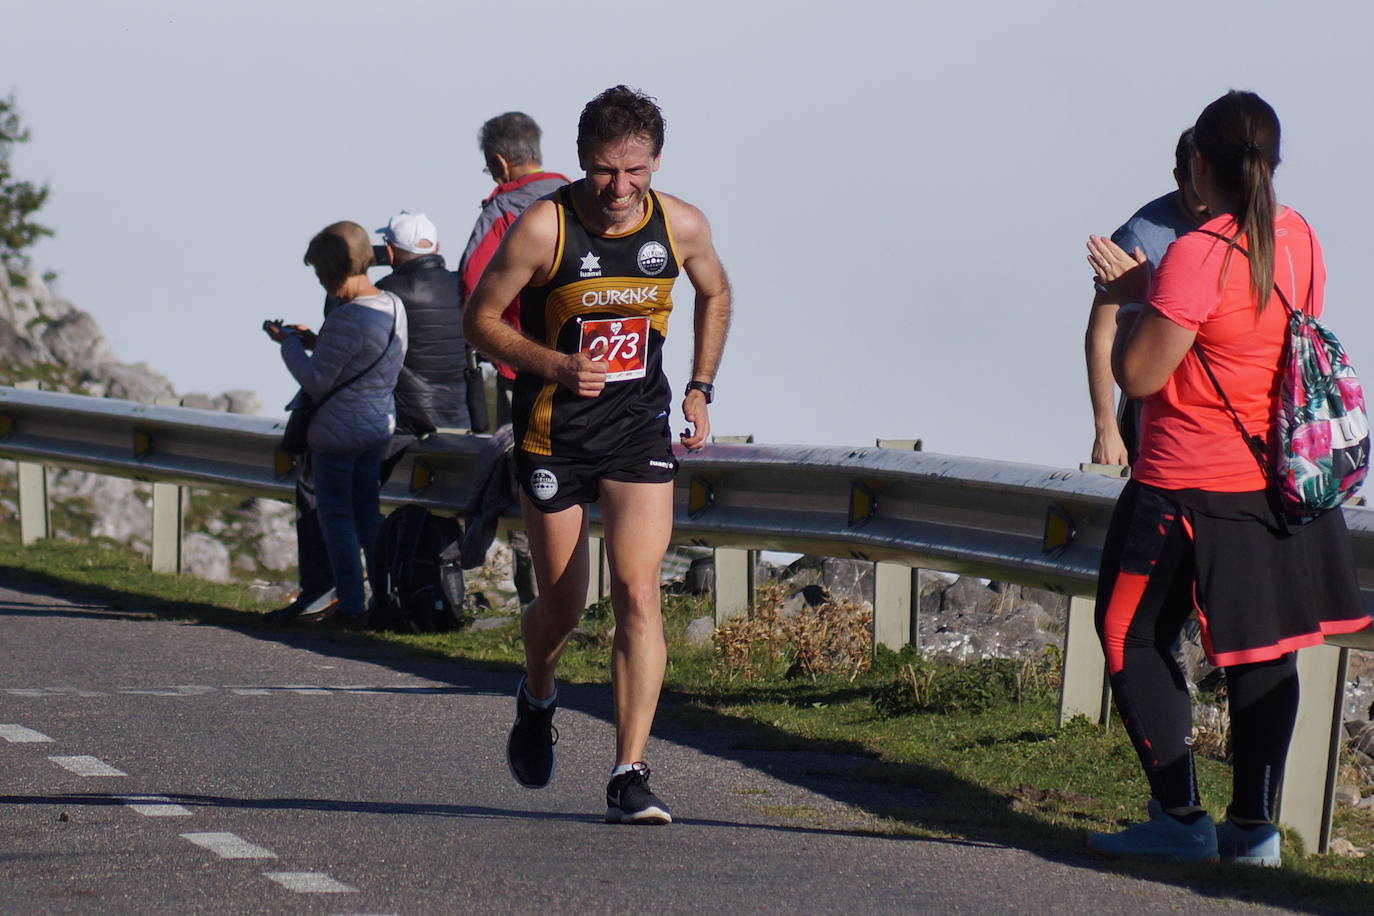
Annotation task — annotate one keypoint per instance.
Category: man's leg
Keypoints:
(558, 544)
(559, 540)
(638, 519)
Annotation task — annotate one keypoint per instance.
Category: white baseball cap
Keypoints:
(413, 232)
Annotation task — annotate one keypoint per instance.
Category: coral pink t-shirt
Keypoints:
(1188, 439)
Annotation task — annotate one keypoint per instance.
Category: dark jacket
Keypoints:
(430, 392)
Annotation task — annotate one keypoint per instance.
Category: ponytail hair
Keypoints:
(1238, 136)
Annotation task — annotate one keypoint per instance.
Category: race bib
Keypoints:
(620, 342)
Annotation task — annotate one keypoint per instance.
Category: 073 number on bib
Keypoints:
(620, 342)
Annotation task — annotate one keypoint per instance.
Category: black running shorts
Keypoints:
(555, 483)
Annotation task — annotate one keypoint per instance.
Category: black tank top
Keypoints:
(598, 277)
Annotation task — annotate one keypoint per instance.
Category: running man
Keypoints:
(594, 264)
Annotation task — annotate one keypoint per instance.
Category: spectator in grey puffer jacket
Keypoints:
(357, 356)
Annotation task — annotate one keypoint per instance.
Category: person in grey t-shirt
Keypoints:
(1150, 231)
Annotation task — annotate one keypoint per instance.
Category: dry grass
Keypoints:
(831, 638)
(1212, 723)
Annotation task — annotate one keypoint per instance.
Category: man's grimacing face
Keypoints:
(618, 176)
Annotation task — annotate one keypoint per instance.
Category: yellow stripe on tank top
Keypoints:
(557, 248)
(672, 242)
(651, 296)
(536, 440)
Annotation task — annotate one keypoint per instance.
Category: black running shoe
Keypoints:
(305, 605)
(529, 750)
(630, 801)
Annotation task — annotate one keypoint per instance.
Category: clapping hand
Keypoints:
(1121, 274)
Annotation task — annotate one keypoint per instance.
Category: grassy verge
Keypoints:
(989, 764)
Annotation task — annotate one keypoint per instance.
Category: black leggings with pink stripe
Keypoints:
(1145, 596)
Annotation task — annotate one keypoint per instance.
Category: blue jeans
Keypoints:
(347, 493)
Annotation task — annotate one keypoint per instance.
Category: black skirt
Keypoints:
(1261, 587)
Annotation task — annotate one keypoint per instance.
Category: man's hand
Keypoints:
(582, 375)
(1123, 275)
(695, 412)
(1108, 448)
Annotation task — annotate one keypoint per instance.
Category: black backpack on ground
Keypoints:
(418, 586)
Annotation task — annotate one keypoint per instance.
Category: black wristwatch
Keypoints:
(705, 388)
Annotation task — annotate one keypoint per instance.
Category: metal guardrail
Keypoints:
(903, 510)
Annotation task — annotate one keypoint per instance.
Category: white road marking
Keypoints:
(229, 846)
(309, 882)
(87, 766)
(18, 734)
(155, 806)
(185, 690)
(26, 692)
(253, 691)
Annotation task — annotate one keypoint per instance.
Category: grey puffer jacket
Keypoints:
(362, 414)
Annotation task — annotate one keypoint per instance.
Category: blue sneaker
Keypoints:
(1163, 838)
(1257, 845)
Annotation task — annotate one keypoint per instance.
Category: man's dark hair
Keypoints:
(1183, 155)
(513, 136)
(616, 114)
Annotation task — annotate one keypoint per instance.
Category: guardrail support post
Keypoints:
(32, 480)
(33, 502)
(734, 586)
(894, 595)
(598, 572)
(1085, 690)
(169, 511)
(1309, 781)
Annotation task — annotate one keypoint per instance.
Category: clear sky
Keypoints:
(900, 191)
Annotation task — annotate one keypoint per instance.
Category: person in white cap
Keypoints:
(431, 393)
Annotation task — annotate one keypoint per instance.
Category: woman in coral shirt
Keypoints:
(1196, 529)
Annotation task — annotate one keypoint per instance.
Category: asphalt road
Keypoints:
(150, 767)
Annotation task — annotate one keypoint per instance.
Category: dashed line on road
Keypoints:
(181, 690)
(18, 734)
(155, 806)
(309, 882)
(53, 692)
(87, 766)
(229, 846)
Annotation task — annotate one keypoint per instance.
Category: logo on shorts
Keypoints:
(543, 484)
(653, 257)
(591, 265)
(666, 465)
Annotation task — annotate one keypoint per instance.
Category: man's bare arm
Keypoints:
(1121, 278)
(526, 252)
(1108, 447)
(711, 315)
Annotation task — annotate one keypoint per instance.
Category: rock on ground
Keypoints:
(205, 557)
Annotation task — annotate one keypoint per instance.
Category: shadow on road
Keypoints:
(911, 797)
